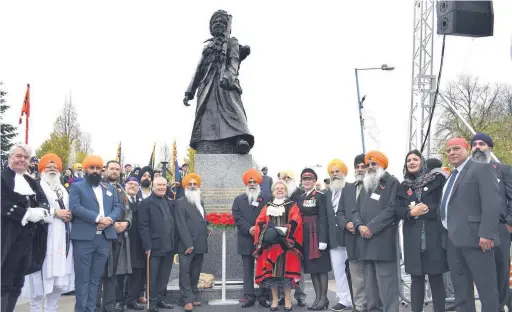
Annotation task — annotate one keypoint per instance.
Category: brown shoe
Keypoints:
(142, 300)
(188, 307)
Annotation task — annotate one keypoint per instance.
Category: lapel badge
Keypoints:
(409, 192)
(494, 166)
(425, 188)
(382, 187)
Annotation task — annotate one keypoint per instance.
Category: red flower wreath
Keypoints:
(220, 220)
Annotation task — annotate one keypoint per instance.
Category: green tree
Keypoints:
(190, 159)
(8, 131)
(57, 144)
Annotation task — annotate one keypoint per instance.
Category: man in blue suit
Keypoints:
(95, 208)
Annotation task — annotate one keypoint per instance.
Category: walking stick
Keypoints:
(147, 279)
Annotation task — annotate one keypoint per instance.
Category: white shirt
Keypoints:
(99, 196)
(144, 194)
(459, 169)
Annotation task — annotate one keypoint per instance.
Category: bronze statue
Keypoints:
(220, 126)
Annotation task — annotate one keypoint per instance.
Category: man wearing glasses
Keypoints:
(375, 220)
(95, 208)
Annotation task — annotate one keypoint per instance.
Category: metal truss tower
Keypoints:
(423, 81)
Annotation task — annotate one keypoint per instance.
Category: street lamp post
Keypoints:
(360, 103)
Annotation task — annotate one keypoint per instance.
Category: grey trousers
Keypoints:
(357, 276)
(381, 285)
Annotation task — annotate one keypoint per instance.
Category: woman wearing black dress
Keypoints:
(316, 259)
(418, 198)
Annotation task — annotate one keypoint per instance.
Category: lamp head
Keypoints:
(385, 67)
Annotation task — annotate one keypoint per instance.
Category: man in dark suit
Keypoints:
(375, 220)
(347, 205)
(470, 211)
(193, 238)
(157, 232)
(246, 208)
(24, 208)
(481, 148)
(95, 208)
(337, 247)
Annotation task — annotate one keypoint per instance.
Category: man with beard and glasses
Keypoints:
(246, 208)
(111, 289)
(157, 233)
(337, 171)
(376, 221)
(294, 192)
(145, 177)
(470, 212)
(24, 235)
(56, 276)
(193, 238)
(347, 206)
(95, 208)
(482, 146)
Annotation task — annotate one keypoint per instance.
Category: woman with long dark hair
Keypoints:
(418, 199)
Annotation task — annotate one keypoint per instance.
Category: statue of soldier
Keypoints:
(220, 125)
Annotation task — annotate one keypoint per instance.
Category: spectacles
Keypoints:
(372, 164)
(361, 166)
(479, 143)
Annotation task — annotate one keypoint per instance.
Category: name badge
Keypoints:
(499, 180)
(109, 193)
(375, 196)
(255, 203)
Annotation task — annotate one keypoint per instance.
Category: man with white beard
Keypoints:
(193, 238)
(337, 171)
(375, 219)
(347, 204)
(57, 275)
(481, 148)
(245, 210)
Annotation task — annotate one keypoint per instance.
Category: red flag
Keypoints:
(26, 104)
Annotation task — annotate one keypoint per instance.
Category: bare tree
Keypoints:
(85, 141)
(67, 123)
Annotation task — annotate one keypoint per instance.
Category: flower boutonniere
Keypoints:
(494, 166)
(260, 199)
(382, 187)
(409, 192)
(104, 186)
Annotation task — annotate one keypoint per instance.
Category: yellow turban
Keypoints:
(337, 163)
(50, 158)
(252, 174)
(92, 161)
(76, 166)
(378, 157)
(288, 173)
(191, 176)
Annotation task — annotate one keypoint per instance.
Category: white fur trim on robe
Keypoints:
(57, 272)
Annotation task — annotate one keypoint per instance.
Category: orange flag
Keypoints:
(25, 110)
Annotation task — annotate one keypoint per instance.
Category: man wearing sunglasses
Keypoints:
(481, 148)
(95, 208)
(375, 220)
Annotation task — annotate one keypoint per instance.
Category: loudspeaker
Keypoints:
(465, 18)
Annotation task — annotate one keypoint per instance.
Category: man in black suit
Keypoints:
(193, 238)
(481, 148)
(246, 208)
(157, 233)
(470, 211)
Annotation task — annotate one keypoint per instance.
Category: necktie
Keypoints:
(133, 199)
(447, 193)
(335, 198)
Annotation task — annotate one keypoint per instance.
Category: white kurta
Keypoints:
(57, 273)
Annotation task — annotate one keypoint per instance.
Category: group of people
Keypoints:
(453, 221)
(100, 239)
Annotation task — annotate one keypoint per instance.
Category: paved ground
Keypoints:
(67, 304)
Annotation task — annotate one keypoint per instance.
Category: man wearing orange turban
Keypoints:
(246, 208)
(57, 275)
(374, 218)
(190, 217)
(95, 208)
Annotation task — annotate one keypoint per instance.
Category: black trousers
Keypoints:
(160, 267)
(248, 265)
(502, 258)
(136, 283)
(418, 292)
(190, 269)
(14, 269)
(468, 264)
(110, 290)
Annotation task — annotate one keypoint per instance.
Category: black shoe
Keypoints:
(119, 307)
(288, 309)
(313, 304)
(71, 293)
(274, 308)
(323, 304)
(134, 305)
(248, 302)
(452, 306)
(301, 302)
(281, 301)
(264, 303)
(340, 307)
(164, 305)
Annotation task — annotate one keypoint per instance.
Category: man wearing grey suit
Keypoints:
(95, 208)
(470, 211)
(481, 147)
(193, 238)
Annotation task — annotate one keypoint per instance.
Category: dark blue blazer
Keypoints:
(85, 209)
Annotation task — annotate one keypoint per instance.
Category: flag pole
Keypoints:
(26, 130)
